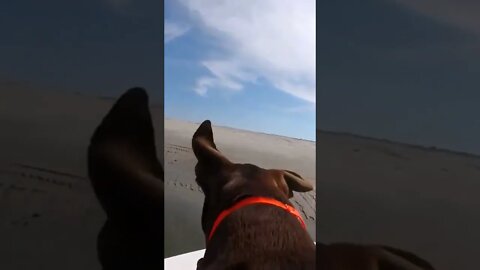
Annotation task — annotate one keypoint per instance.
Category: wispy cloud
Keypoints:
(174, 30)
(268, 39)
(226, 75)
(461, 13)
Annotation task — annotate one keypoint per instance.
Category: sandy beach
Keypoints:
(370, 191)
(416, 198)
(183, 198)
(49, 217)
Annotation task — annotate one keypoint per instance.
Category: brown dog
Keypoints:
(257, 236)
(128, 181)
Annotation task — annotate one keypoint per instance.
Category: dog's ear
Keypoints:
(122, 161)
(295, 182)
(204, 146)
(290, 181)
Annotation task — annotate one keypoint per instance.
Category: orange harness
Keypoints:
(250, 201)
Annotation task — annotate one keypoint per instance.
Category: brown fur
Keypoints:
(128, 181)
(253, 237)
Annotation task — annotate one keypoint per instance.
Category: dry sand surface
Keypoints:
(423, 200)
(369, 191)
(49, 217)
(183, 198)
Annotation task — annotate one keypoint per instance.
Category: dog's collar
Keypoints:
(250, 201)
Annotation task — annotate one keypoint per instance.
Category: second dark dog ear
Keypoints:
(204, 146)
(297, 183)
(289, 181)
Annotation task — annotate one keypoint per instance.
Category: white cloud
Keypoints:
(268, 39)
(174, 30)
(461, 13)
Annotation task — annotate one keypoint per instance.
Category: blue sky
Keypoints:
(403, 70)
(96, 47)
(253, 72)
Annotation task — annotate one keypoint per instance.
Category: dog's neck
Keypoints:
(259, 233)
(252, 201)
(209, 216)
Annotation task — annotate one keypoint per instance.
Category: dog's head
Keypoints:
(224, 182)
